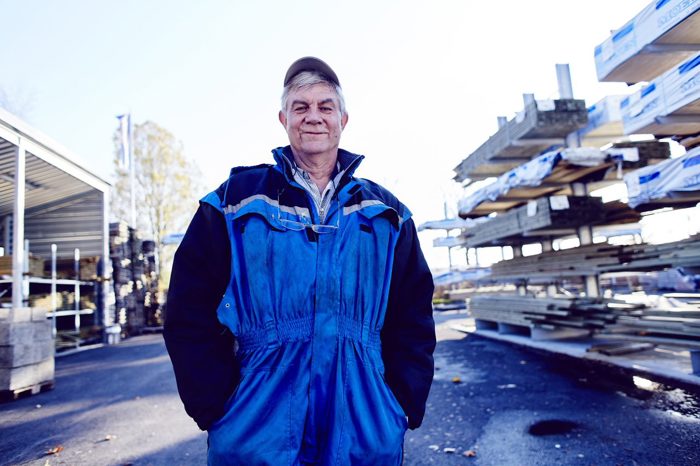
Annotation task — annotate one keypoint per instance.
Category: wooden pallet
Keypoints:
(10, 395)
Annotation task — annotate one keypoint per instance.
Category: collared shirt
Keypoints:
(322, 200)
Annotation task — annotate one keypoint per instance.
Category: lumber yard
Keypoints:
(69, 279)
(571, 334)
(574, 273)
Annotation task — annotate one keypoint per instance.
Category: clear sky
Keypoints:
(424, 81)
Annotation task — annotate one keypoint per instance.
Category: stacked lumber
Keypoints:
(35, 266)
(65, 268)
(617, 213)
(535, 129)
(541, 217)
(600, 258)
(128, 276)
(468, 293)
(151, 299)
(650, 152)
(668, 105)
(678, 324)
(521, 184)
(549, 312)
(604, 122)
(609, 317)
(677, 178)
(657, 38)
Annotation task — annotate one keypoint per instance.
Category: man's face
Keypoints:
(313, 120)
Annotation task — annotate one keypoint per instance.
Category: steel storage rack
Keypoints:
(660, 48)
(50, 207)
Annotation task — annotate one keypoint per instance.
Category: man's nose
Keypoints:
(313, 115)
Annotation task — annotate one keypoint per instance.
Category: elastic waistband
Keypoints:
(354, 330)
(302, 329)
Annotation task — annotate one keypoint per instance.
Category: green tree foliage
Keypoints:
(167, 187)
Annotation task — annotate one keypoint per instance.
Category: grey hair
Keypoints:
(307, 79)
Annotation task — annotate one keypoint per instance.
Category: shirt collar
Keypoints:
(347, 162)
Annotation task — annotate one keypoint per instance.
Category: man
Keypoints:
(320, 351)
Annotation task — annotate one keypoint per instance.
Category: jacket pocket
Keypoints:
(374, 421)
(256, 426)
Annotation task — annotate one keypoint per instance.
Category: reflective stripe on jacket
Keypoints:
(307, 303)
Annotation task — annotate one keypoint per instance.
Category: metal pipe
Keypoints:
(566, 90)
(132, 176)
(18, 229)
(76, 321)
(107, 318)
(54, 300)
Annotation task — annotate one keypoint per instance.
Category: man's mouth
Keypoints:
(313, 133)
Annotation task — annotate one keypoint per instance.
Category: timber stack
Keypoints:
(128, 276)
(549, 312)
(605, 316)
(26, 352)
(546, 213)
(595, 259)
(523, 137)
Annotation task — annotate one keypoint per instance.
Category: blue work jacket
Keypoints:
(329, 369)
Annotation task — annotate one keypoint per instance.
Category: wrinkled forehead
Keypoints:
(314, 93)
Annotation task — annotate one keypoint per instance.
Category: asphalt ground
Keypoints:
(491, 404)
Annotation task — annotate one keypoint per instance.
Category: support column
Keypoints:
(76, 317)
(54, 296)
(106, 315)
(18, 230)
(546, 247)
(566, 91)
(518, 251)
(585, 237)
(7, 234)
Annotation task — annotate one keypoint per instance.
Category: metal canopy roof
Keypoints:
(51, 173)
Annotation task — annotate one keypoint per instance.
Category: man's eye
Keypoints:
(326, 109)
(299, 109)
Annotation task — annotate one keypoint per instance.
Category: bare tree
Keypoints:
(166, 187)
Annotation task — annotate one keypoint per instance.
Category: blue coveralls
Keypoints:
(306, 306)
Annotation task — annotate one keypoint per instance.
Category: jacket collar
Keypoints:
(284, 158)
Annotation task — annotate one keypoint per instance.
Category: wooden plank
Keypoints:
(567, 116)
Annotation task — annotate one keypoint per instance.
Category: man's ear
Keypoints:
(343, 120)
(283, 119)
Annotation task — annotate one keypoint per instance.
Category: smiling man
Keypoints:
(299, 317)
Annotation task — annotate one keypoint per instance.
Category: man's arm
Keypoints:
(201, 349)
(408, 336)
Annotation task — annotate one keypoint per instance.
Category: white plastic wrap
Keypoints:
(646, 28)
(665, 14)
(639, 110)
(532, 173)
(660, 180)
(682, 85)
(623, 43)
(604, 119)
